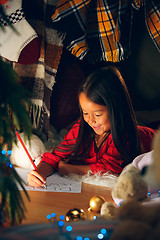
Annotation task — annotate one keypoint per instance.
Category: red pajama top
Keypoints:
(110, 159)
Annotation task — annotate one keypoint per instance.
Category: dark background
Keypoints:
(141, 72)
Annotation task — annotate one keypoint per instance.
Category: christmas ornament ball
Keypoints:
(75, 214)
(95, 203)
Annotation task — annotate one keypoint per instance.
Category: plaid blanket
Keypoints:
(101, 30)
(39, 78)
(152, 18)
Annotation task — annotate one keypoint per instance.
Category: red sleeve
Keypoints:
(110, 159)
(146, 135)
(58, 153)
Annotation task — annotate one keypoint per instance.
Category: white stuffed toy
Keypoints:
(35, 148)
(139, 181)
(21, 44)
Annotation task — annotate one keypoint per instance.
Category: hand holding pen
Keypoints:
(36, 180)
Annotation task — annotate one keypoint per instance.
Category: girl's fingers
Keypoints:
(37, 175)
(35, 179)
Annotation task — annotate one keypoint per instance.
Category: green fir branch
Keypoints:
(12, 201)
(15, 99)
(14, 115)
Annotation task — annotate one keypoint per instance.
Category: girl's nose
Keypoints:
(91, 119)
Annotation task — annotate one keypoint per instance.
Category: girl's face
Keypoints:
(95, 115)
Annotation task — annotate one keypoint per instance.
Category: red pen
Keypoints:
(29, 156)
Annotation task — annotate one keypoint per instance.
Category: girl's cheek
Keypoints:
(86, 119)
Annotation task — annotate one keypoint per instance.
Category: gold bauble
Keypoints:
(75, 214)
(95, 203)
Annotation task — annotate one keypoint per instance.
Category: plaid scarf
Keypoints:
(39, 78)
(101, 30)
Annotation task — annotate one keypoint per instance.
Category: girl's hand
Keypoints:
(35, 179)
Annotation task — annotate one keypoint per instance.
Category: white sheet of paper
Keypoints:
(55, 183)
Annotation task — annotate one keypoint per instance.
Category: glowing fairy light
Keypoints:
(103, 231)
(69, 228)
(6, 158)
(53, 215)
(103, 234)
(79, 238)
(3, 152)
(8, 163)
(11, 165)
(62, 217)
(9, 152)
(48, 216)
(60, 223)
(100, 236)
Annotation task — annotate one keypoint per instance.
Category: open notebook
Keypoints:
(55, 183)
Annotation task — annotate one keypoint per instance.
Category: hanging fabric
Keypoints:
(101, 29)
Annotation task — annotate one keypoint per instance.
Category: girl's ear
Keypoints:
(20, 43)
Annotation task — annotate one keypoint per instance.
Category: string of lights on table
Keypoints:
(64, 223)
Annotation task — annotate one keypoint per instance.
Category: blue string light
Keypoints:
(69, 228)
(62, 217)
(8, 163)
(3, 152)
(79, 238)
(53, 214)
(48, 216)
(11, 165)
(103, 231)
(100, 236)
(6, 158)
(9, 152)
(60, 223)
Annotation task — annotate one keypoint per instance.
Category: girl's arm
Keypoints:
(66, 169)
(50, 161)
(38, 179)
(63, 149)
(45, 169)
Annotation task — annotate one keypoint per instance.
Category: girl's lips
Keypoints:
(97, 127)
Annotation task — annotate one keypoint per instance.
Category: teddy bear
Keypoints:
(130, 185)
(35, 148)
(137, 213)
(137, 221)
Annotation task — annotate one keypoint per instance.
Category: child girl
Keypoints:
(105, 138)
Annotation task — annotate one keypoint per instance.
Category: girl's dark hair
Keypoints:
(106, 87)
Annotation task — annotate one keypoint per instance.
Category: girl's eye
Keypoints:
(85, 113)
(98, 115)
